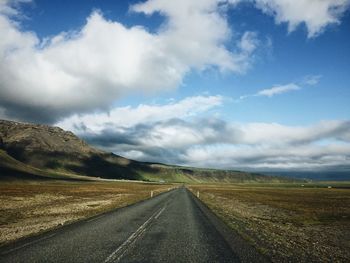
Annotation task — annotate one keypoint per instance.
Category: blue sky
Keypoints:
(231, 84)
(290, 58)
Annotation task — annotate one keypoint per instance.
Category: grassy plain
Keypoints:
(288, 223)
(30, 207)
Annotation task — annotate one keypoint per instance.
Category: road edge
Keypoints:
(244, 251)
(47, 232)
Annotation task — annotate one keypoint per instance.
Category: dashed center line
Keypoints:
(159, 213)
(120, 251)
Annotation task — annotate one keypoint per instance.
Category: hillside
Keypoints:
(41, 151)
(53, 150)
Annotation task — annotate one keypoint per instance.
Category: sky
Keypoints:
(233, 84)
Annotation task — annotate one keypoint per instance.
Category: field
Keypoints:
(27, 208)
(309, 223)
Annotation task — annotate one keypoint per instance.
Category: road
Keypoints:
(171, 227)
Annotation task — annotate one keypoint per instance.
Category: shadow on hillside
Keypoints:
(8, 174)
(107, 166)
(98, 166)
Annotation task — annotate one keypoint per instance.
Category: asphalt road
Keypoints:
(171, 227)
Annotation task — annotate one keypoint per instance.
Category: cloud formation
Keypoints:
(309, 80)
(273, 91)
(88, 69)
(316, 15)
(74, 78)
(278, 90)
(143, 113)
(182, 135)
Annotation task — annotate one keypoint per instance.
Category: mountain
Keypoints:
(337, 174)
(58, 152)
(41, 151)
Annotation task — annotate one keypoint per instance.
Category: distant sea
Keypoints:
(320, 176)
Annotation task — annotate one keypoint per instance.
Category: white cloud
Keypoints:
(270, 92)
(88, 69)
(306, 157)
(179, 132)
(143, 113)
(277, 134)
(277, 90)
(315, 14)
(309, 80)
(324, 145)
(9, 7)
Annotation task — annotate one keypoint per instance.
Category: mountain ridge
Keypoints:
(50, 152)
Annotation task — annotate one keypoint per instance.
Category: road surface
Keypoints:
(171, 227)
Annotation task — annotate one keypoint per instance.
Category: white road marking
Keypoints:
(27, 244)
(161, 211)
(131, 239)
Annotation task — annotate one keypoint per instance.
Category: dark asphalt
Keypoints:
(171, 227)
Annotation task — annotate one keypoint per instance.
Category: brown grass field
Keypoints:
(287, 223)
(28, 208)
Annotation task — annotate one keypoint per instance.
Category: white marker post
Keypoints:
(151, 194)
(197, 194)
